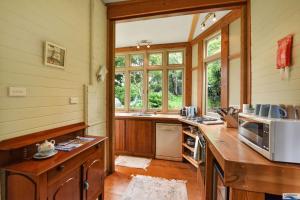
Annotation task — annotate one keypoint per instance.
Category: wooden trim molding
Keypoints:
(153, 47)
(225, 67)
(227, 19)
(200, 78)
(193, 26)
(110, 96)
(144, 8)
(188, 76)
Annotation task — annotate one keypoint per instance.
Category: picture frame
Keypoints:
(55, 55)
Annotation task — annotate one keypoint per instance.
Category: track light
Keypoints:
(214, 19)
(202, 26)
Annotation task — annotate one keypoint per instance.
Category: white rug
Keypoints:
(155, 188)
(133, 162)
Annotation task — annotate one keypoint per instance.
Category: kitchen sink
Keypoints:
(142, 114)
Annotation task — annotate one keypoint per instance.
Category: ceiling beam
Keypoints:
(193, 26)
(144, 8)
(153, 47)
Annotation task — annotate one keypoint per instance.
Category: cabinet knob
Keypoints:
(61, 167)
(86, 185)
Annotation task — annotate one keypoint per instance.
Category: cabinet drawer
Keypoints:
(58, 172)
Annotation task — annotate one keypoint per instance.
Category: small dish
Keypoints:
(40, 156)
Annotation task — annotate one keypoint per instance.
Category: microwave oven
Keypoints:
(275, 139)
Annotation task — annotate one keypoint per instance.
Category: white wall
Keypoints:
(272, 20)
(234, 62)
(25, 26)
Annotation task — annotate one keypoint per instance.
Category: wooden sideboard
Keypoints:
(78, 174)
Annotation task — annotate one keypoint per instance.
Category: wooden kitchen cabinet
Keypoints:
(120, 136)
(74, 175)
(140, 137)
(135, 137)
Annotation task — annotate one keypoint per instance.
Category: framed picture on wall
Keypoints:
(55, 55)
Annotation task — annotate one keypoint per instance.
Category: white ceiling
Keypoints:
(160, 30)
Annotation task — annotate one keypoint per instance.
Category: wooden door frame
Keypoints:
(133, 9)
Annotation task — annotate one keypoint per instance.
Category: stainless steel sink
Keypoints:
(142, 114)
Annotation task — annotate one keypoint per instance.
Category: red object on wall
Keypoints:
(284, 52)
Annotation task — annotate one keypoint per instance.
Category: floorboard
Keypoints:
(116, 184)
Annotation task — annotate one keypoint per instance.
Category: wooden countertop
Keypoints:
(246, 169)
(37, 167)
(158, 117)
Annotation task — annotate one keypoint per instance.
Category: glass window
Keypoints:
(136, 90)
(137, 60)
(120, 90)
(175, 58)
(213, 45)
(155, 89)
(175, 89)
(155, 59)
(213, 85)
(120, 61)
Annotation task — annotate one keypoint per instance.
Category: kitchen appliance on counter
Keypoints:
(275, 139)
(189, 111)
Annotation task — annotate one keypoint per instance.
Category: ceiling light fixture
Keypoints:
(208, 17)
(142, 43)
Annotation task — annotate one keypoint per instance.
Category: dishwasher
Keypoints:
(168, 141)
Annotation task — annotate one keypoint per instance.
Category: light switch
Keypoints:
(74, 100)
(17, 92)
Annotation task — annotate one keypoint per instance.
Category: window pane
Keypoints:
(213, 85)
(213, 45)
(119, 90)
(136, 90)
(175, 85)
(175, 58)
(155, 59)
(120, 61)
(154, 89)
(137, 60)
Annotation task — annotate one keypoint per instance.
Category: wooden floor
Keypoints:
(116, 184)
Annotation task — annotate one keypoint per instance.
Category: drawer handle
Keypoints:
(61, 167)
(86, 185)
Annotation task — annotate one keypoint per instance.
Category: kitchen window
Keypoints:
(151, 81)
(212, 63)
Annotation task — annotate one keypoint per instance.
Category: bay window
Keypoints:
(150, 81)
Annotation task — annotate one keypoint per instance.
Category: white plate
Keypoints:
(40, 156)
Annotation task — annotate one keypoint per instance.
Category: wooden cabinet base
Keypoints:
(245, 195)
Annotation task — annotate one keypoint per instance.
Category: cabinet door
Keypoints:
(93, 177)
(139, 137)
(66, 188)
(120, 136)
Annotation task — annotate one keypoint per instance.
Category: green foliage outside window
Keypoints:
(175, 58)
(120, 90)
(120, 61)
(213, 85)
(136, 89)
(213, 45)
(137, 60)
(175, 89)
(155, 89)
(155, 59)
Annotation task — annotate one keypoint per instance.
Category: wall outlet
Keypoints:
(17, 92)
(74, 100)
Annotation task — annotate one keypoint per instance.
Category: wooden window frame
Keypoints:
(165, 67)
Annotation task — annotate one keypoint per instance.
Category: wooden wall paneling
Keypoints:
(209, 174)
(227, 19)
(200, 78)
(236, 194)
(193, 26)
(137, 8)
(188, 76)
(244, 57)
(110, 95)
(225, 66)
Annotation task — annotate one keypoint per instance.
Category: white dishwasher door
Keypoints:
(168, 141)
